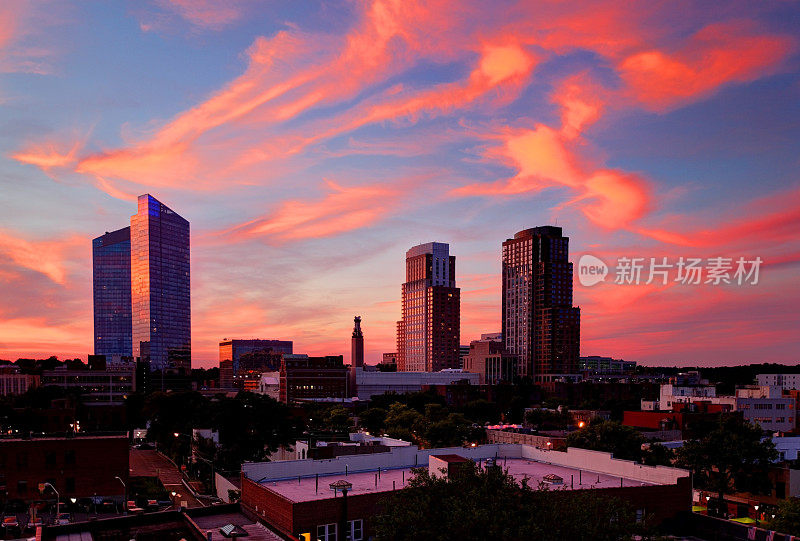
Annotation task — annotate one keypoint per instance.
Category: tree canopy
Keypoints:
(734, 456)
(610, 436)
(489, 504)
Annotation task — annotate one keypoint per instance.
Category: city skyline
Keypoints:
(311, 145)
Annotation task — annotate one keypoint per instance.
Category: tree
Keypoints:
(489, 504)
(658, 455)
(610, 436)
(338, 419)
(787, 517)
(373, 419)
(449, 431)
(733, 457)
(546, 419)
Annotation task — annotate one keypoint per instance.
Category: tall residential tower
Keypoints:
(429, 331)
(540, 325)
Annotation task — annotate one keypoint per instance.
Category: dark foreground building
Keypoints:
(77, 466)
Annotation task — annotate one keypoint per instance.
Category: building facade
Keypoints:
(767, 407)
(78, 467)
(375, 382)
(429, 331)
(160, 290)
(107, 387)
(595, 364)
(111, 280)
(12, 382)
(490, 359)
(539, 324)
(237, 356)
(786, 382)
(304, 378)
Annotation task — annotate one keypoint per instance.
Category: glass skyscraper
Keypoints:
(160, 304)
(111, 272)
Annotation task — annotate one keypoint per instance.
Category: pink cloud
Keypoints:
(718, 54)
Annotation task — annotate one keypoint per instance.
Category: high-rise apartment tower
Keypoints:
(540, 325)
(429, 331)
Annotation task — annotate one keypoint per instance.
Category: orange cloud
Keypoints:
(545, 158)
(47, 156)
(46, 257)
(718, 54)
(342, 209)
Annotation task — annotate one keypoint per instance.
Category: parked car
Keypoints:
(63, 518)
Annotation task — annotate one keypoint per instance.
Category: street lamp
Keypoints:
(124, 495)
(42, 486)
(756, 508)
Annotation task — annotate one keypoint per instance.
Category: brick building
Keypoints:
(78, 466)
(304, 378)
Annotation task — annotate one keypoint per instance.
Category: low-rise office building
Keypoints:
(309, 379)
(105, 387)
(491, 360)
(373, 383)
(298, 497)
(12, 382)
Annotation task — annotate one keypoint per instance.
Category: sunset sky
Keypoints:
(310, 144)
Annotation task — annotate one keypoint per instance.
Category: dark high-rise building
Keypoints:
(540, 325)
(111, 273)
(161, 316)
(428, 334)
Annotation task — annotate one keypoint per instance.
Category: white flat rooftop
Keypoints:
(365, 482)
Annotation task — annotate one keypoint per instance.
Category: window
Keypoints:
(356, 528)
(22, 460)
(22, 487)
(70, 484)
(639, 515)
(69, 457)
(50, 459)
(326, 532)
